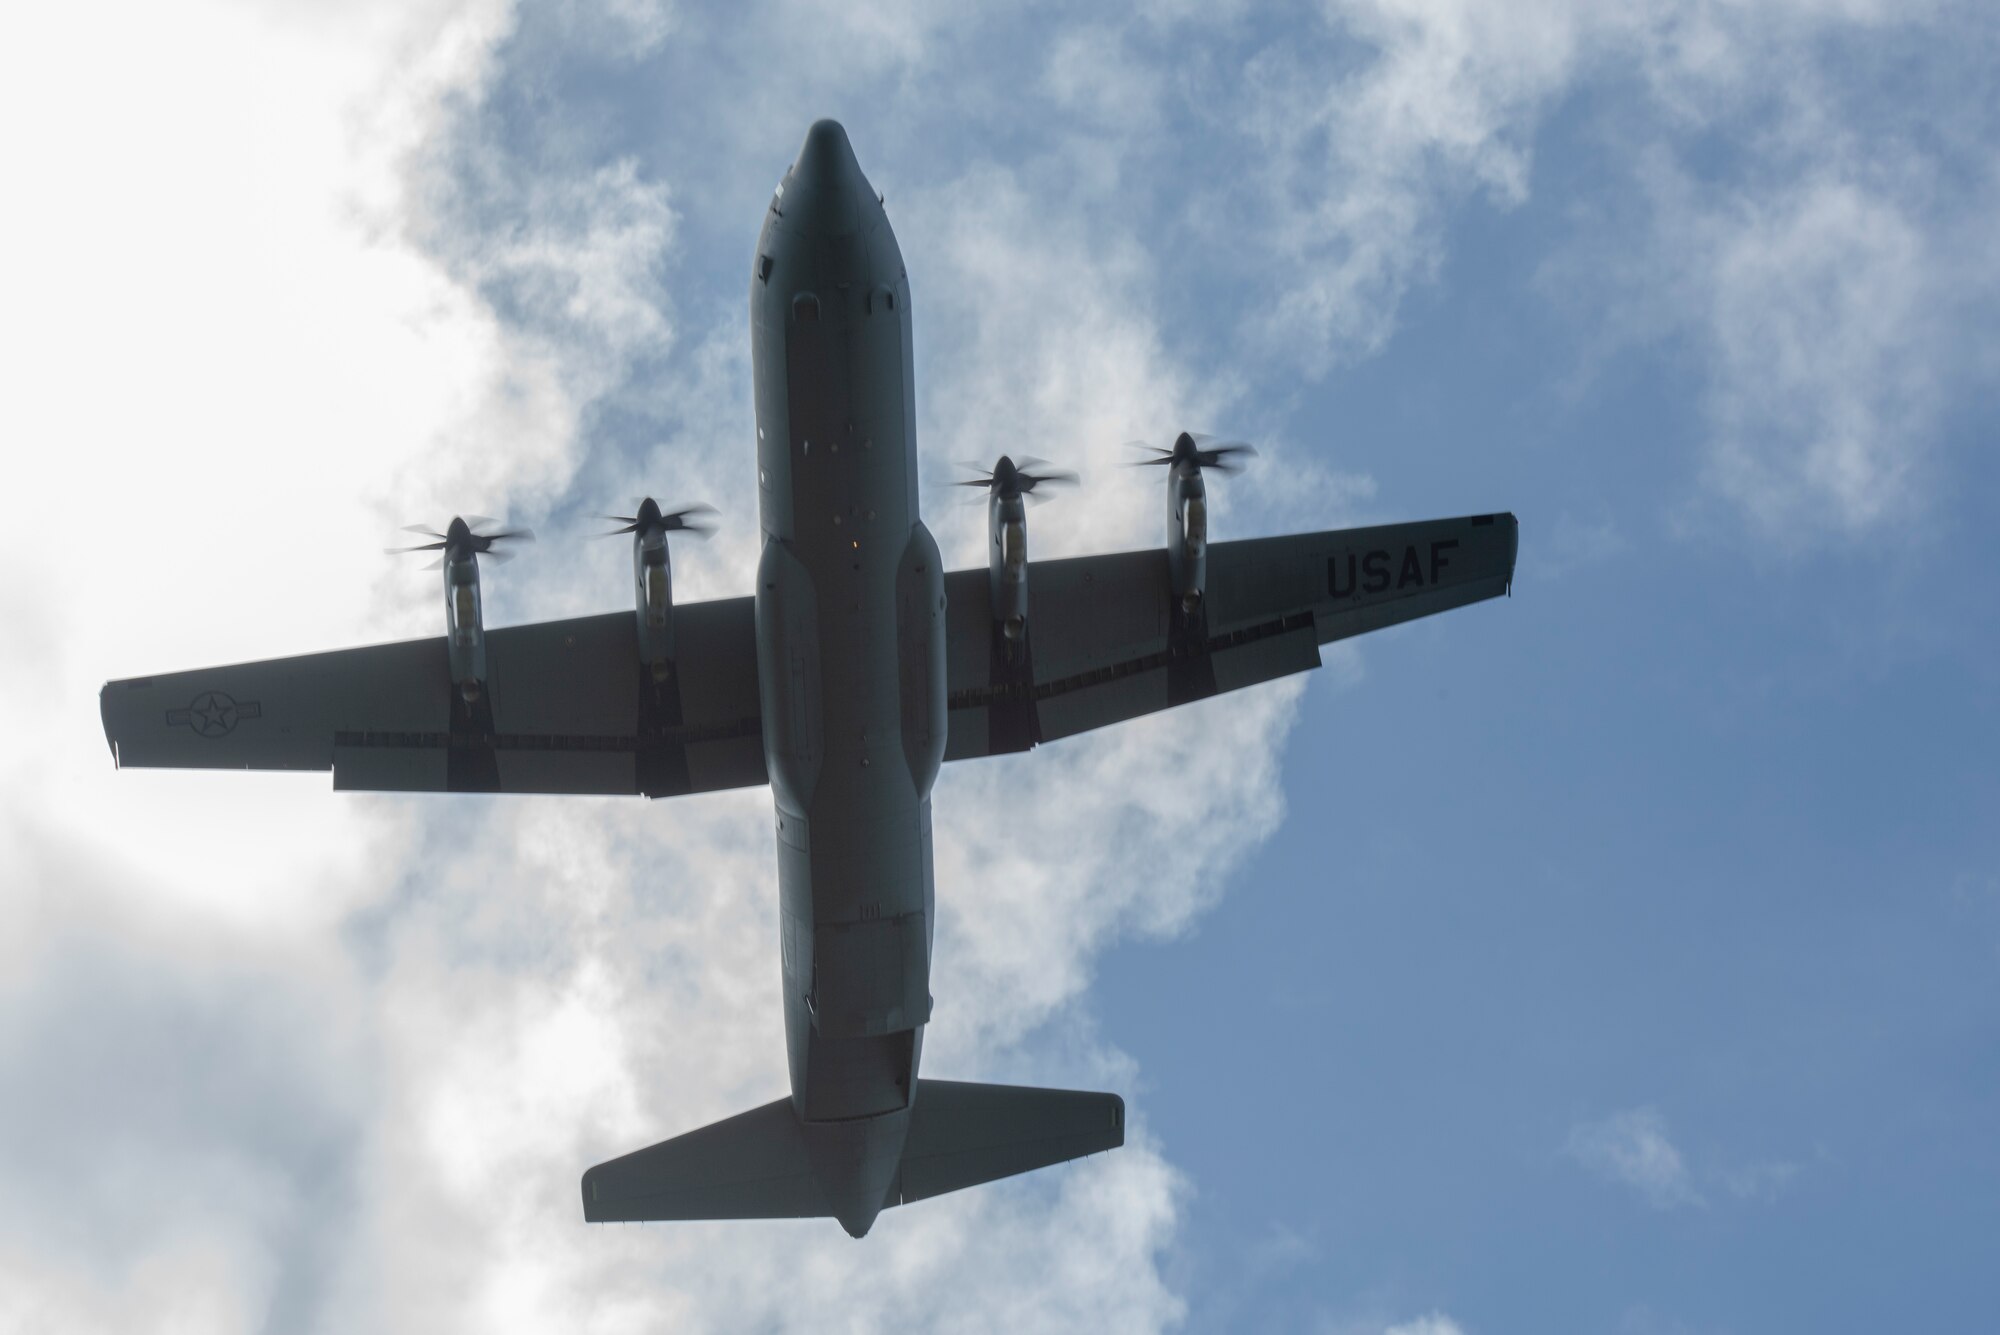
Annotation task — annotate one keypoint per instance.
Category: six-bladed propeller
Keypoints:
(1225, 458)
(690, 519)
(459, 539)
(1008, 479)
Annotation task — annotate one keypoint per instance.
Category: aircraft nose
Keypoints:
(825, 191)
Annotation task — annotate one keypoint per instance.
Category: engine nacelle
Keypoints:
(464, 622)
(1007, 564)
(653, 577)
(1187, 535)
(653, 587)
(1187, 514)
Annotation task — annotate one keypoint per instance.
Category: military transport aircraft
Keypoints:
(856, 668)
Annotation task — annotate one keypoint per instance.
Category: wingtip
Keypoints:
(104, 717)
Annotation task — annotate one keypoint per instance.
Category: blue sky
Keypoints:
(1618, 957)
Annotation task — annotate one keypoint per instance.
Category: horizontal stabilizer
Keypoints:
(963, 1134)
(766, 1164)
(750, 1166)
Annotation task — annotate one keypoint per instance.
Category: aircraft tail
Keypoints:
(962, 1134)
(767, 1164)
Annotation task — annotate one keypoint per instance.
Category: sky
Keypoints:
(1621, 956)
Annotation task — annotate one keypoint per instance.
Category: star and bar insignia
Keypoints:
(214, 713)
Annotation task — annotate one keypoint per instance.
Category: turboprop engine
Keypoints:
(459, 551)
(1008, 489)
(653, 576)
(1187, 509)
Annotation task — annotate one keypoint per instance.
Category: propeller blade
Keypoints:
(436, 565)
(419, 528)
(689, 519)
(1226, 458)
(500, 555)
(1016, 475)
(509, 535)
(478, 521)
(686, 519)
(424, 547)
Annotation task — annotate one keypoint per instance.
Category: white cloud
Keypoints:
(1435, 1323)
(1816, 301)
(379, 1038)
(384, 1035)
(1044, 340)
(1821, 281)
(1091, 71)
(1438, 100)
(1631, 1148)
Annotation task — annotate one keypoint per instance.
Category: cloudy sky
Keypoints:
(1623, 956)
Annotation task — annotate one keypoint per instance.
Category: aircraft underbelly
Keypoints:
(850, 623)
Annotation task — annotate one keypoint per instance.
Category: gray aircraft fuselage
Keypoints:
(856, 674)
(851, 656)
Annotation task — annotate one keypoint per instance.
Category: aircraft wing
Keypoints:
(1105, 642)
(569, 709)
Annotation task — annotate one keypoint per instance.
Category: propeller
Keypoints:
(458, 540)
(690, 519)
(1008, 479)
(1188, 448)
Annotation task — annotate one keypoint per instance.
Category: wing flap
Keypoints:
(390, 769)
